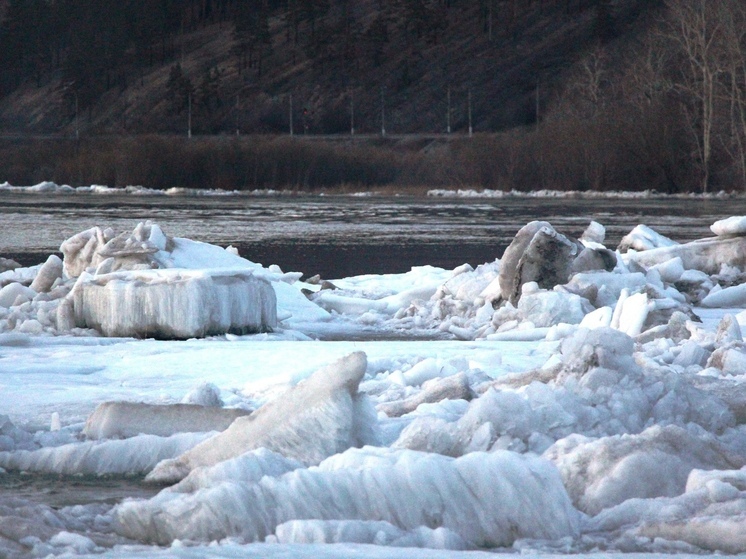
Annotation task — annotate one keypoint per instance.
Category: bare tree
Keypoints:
(734, 45)
(696, 27)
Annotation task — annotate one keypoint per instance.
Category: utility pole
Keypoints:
(291, 115)
(448, 114)
(489, 22)
(77, 141)
(383, 115)
(537, 102)
(238, 132)
(77, 125)
(189, 117)
(352, 113)
(181, 42)
(470, 128)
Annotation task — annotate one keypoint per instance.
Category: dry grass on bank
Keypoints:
(561, 155)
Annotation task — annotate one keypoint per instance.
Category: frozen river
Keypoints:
(550, 427)
(341, 236)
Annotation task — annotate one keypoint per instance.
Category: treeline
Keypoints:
(96, 45)
(227, 163)
(550, 157)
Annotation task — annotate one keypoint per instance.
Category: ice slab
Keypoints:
(454, 387)
(7, 264)
(706, 255)
(135, 456)
(112, 420)
(730, 297)
(548, 308)
(643, 238)
(174, 303)
(538, 253)
(49, 272)
(249, 467)
(319, 417)
(15, 294)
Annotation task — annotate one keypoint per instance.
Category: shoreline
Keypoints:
(50, 187)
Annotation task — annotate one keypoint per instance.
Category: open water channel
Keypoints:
(340, 236)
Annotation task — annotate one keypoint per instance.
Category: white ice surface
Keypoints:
(602, 384)
(74, 375)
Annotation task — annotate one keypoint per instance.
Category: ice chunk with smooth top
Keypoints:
(175, 303)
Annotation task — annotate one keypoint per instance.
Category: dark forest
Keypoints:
(533, 94)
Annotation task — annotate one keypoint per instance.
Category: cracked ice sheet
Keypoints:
(73, 375)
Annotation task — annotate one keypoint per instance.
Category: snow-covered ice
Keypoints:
(565, 398)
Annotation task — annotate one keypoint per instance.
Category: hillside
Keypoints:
(241, 68)
(560, 94)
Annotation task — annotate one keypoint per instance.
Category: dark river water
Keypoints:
(64, 491)
(339, 236)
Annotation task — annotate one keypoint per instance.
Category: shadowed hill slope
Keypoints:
(240, 63)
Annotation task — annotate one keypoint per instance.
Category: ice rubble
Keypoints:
(546, 280)
(605, 446)
(366, 532)
(319, 417)
(707, 517)
(145, 284)
(32, 530)
(593, 387)
(602, 473)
